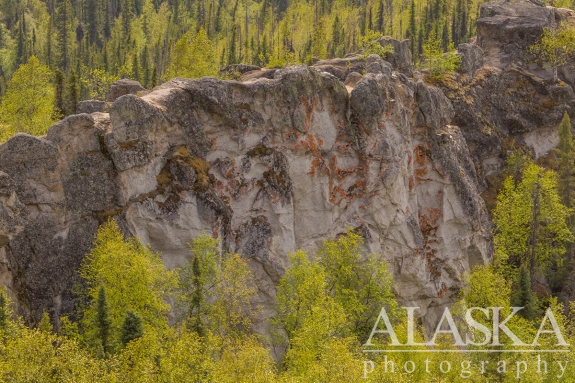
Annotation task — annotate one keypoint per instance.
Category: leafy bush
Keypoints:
(438, 63)
(370, 45)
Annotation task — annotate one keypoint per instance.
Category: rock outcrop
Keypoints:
(286, 158)
(122, 88)
(267, 165)
(510, 100)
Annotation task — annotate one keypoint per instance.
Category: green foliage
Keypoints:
(557, 46)
(371, 45)
(134, 279)
(565, 152)
(193, 57)
(437, 63)
(28, 105)
(302, 288)
(523, 295)
(530, 220)
(44, 324)
(223, 280)
(103, 322)
(362, 285)
(321, 347)
(98, 82)
(131, 328)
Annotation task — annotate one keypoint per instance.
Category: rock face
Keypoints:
(505, 30)
(284, 159)
(267, 165)
(510, 101)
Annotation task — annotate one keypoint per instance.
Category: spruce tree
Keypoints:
(4, 312)
(380, 20)
(412, 29)
(196, 322)
(44, 324)
(59, 86)
(131, 328)
(523, 295)
(62, 25)
(72, 95)
(565, 152)
(103, 321)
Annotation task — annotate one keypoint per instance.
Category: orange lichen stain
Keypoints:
(442, 290)
(362, 207)
(434, 214)
(420, 173)
(420, 153)
(336, 194)
(309, 107)
(343, 148)
(214, 142)
(342, 173)
(411, 183)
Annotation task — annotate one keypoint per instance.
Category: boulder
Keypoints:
(472, 58)
(91, 106)
(400, 59)
(123, 87)
(506, 30)
(352, 79)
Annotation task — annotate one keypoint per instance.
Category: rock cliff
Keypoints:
(284, 159)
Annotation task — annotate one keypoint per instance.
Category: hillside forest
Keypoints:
(82, 46)
(137, 321)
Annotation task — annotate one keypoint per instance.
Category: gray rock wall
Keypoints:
(268, 166)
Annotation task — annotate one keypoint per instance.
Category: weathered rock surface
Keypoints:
(286, 158)
(510, 100)
(267, 165)
(505, 30)
(123, 87)
(91, 106)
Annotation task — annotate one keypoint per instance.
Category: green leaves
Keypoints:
(437, 63)
(134, 279)
(216, 291)
(530, 220)
(556, 47)
(28, 104)
(193, 56)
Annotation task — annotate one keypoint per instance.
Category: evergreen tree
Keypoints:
(72, 95)
(63, 25)
(523, 295)
(44, 324)
(21, 47)
(530, 220)
(135, 68)
(196, 322)
(4, 312)
(103, 321)
(380, 17)
(565, 166)
(131, 328)
(93, 20)
(59, 86)
(412, 29)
